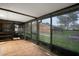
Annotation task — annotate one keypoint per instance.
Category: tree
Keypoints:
(64, 21)
(67, 19)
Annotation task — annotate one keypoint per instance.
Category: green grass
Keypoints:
(28, 35)
(45, 38)
(34, 35)
(61, 39)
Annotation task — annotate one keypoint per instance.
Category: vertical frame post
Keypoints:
(37, 32)
(51, 34)
(31, 30)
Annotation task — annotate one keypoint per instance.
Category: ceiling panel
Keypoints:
(33, 9)
(13, 16)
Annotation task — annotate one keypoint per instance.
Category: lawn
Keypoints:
(44, 38)
(62, 39)
(28, 35)
(34, 36)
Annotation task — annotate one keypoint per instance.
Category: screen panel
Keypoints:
(44, 30)
(65, 30)
(34, 30)
(28, 30)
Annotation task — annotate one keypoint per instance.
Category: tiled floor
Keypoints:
(21, 48)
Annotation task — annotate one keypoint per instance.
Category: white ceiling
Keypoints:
(33, 9)
(13, 16)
